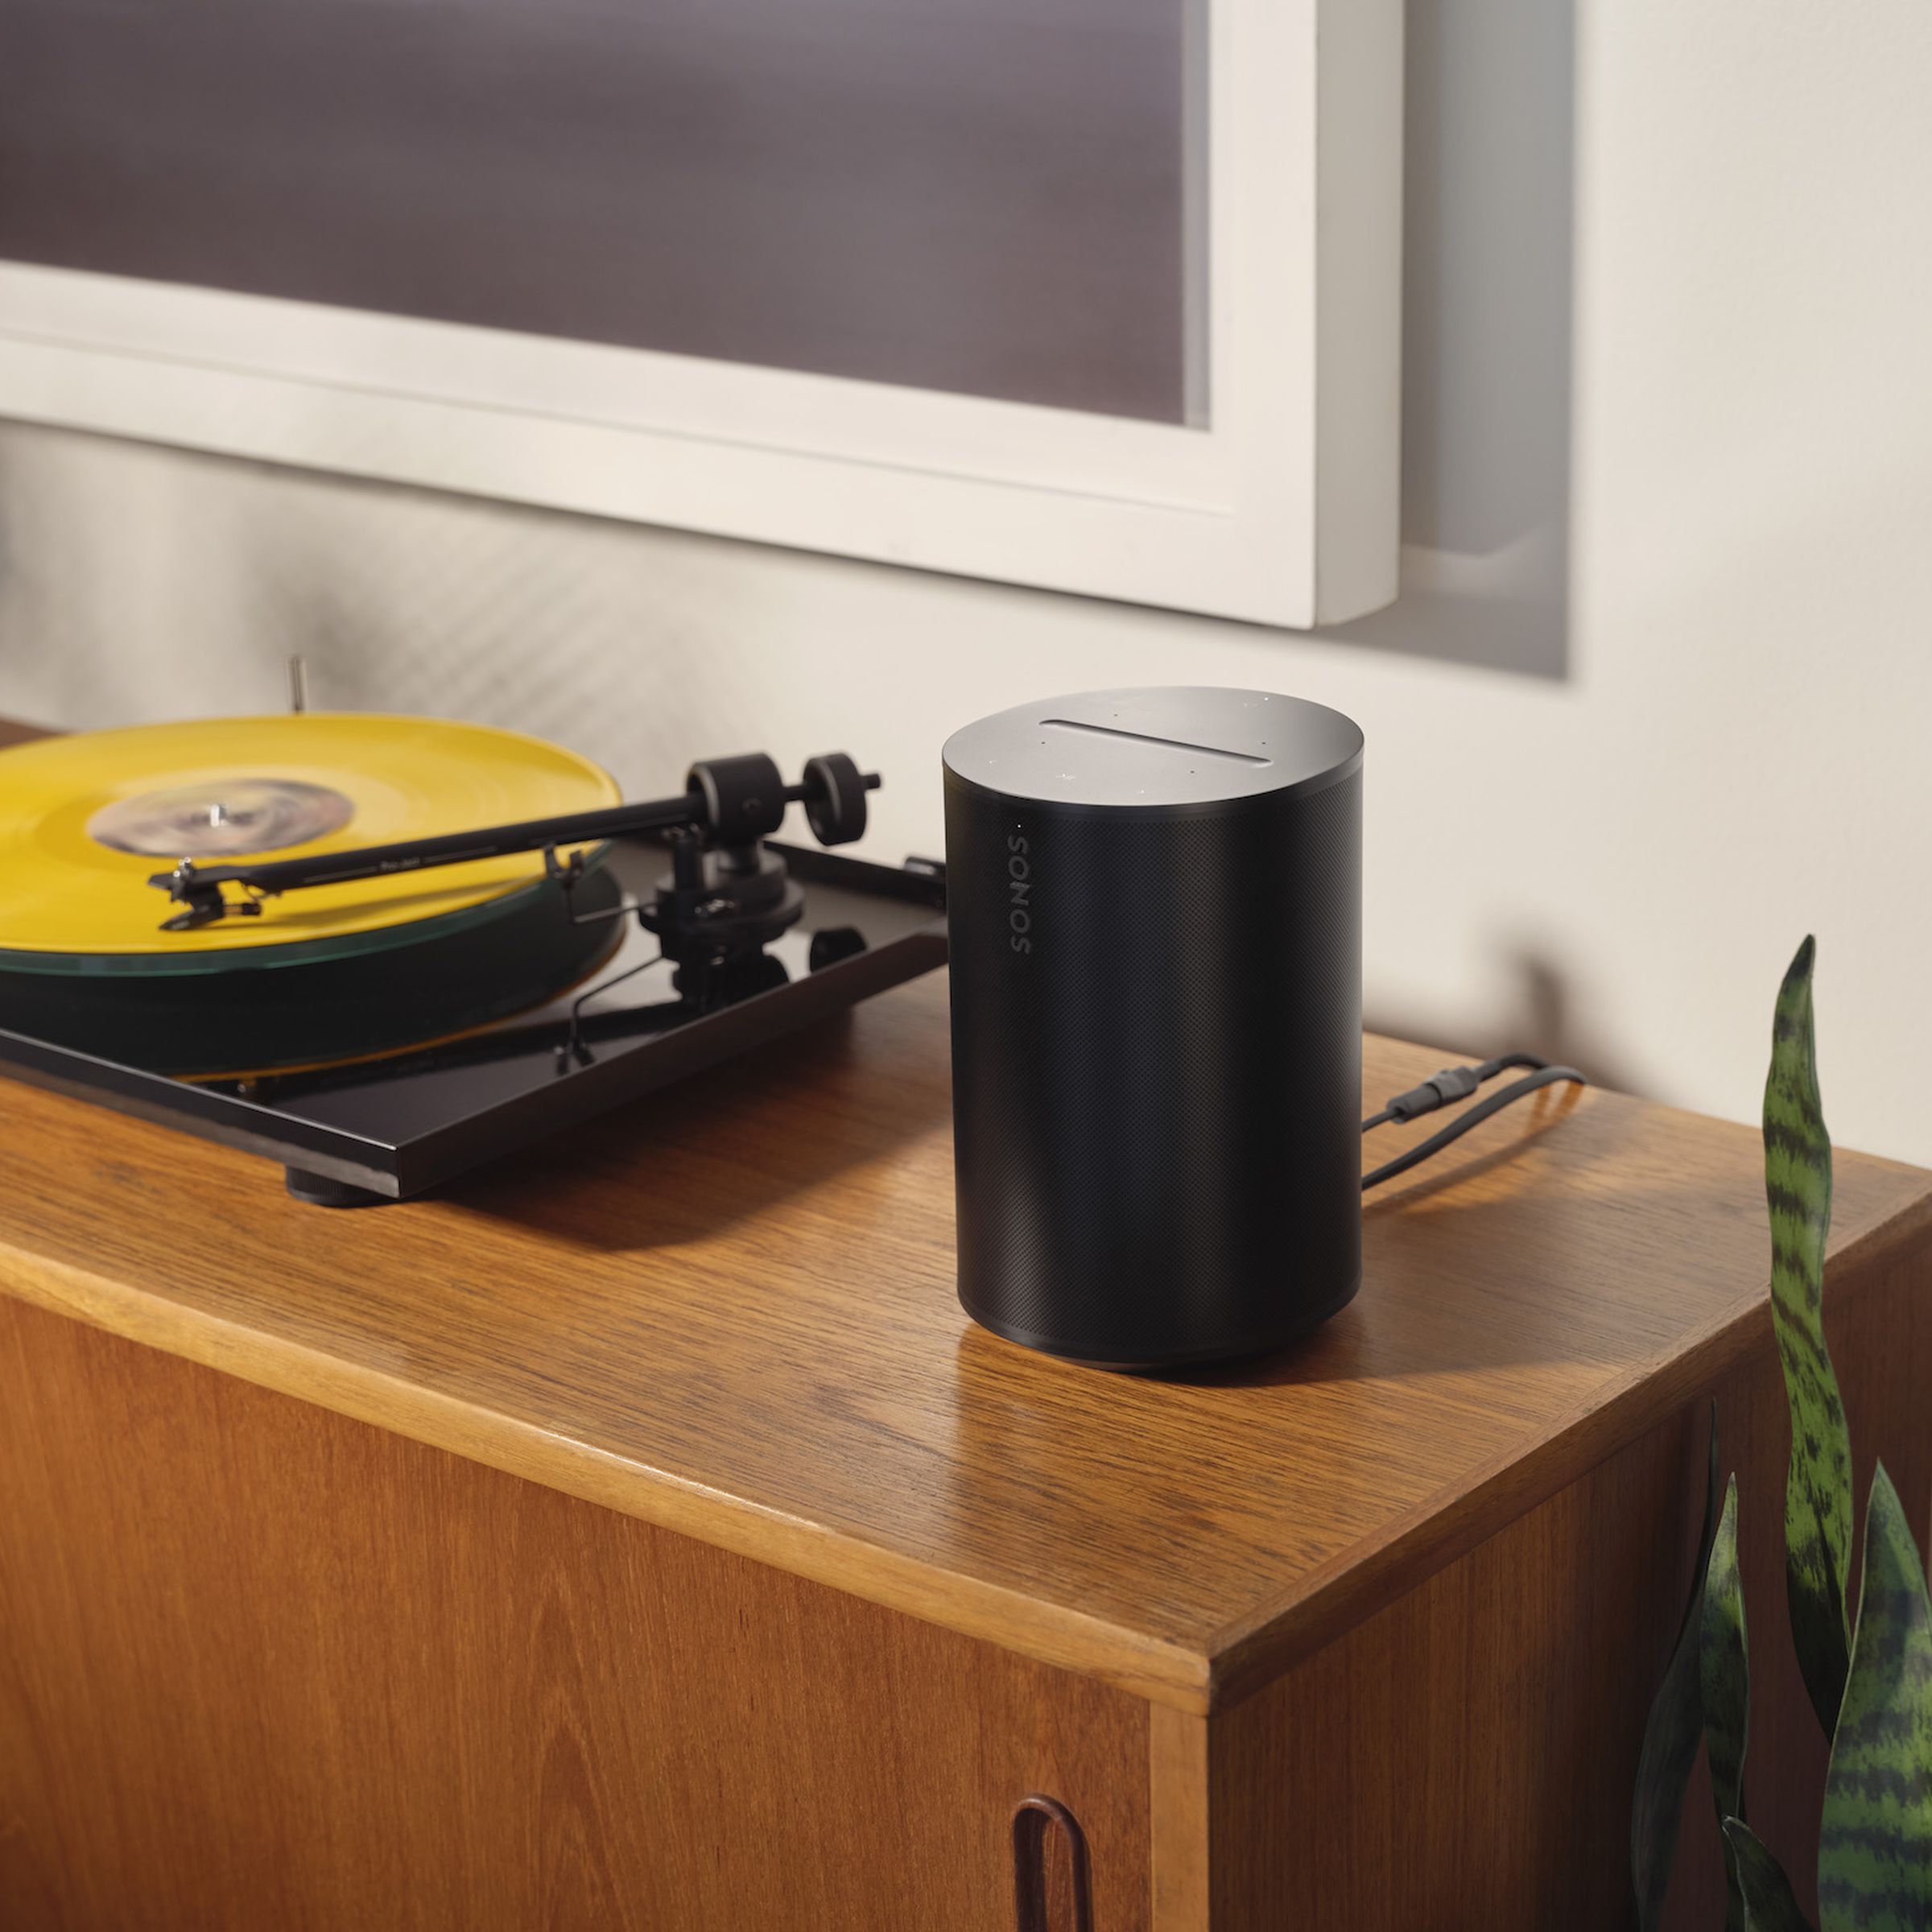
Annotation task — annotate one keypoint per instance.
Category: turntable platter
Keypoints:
(278, 932)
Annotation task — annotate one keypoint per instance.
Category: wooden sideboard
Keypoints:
(639, 1535)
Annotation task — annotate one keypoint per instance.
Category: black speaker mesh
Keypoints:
(1157, 1098)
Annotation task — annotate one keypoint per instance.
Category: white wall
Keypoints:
(1659, 699)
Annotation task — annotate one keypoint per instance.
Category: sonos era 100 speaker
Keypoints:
(1154, 905)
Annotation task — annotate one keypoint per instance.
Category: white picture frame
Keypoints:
(1281, 509)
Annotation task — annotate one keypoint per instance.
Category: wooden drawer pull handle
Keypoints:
(1034, 1819)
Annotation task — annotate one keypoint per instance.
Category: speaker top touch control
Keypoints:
(1162, 749)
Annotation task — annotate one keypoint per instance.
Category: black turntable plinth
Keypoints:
(394, 1127)
(379, 1013)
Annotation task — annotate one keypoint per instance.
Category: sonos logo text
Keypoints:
(1019, 890)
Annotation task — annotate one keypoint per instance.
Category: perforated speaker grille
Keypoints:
(1157, 1069)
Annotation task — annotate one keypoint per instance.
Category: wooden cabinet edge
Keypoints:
(1244, 1657)
(1181, 1678)
(1164, 1674)
(1177, 1792)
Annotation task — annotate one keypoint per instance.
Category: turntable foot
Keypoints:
(320, 1190)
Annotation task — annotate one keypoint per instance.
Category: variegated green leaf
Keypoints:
(1724, 1677)
(1671, 1735)
(1875, 1848)
(1769, 1904)
(1818, 1483)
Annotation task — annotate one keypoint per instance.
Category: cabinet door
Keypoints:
(263, 1666)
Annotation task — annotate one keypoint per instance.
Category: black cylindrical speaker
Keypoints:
(1155, 907)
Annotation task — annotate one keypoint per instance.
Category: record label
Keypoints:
(240, 819)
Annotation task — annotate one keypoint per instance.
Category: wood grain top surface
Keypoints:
(729, 1309)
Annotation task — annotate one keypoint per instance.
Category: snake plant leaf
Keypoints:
(1875, 1847)
(1670, 1736)
(1724, 1679)
(1818, 1481)
(1769, 1903)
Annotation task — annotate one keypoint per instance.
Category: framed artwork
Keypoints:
(1100, 295)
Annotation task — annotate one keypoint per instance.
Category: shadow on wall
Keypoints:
(1488, 274)
(1538, 1012)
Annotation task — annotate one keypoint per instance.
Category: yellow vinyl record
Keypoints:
(86, 820)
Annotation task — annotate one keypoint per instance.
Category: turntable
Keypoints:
(383, 950)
